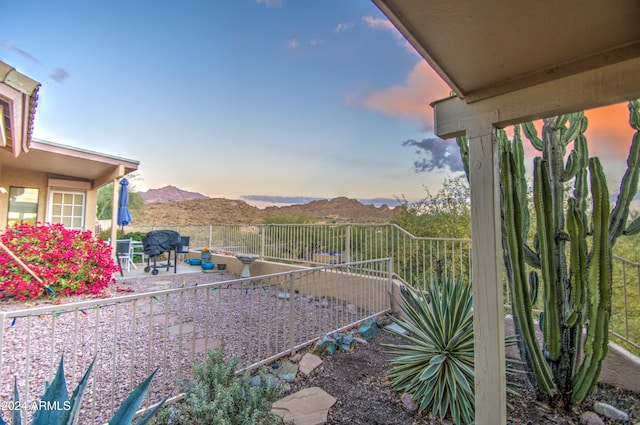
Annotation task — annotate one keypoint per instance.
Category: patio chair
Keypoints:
(137, 249)
(123, 252)
(183, 248)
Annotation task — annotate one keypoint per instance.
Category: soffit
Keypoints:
(60, 160)
(491, 47)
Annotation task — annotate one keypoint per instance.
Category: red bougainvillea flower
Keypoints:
(69, 262)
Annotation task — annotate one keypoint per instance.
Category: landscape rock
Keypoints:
(296, 358)
(325, 345)
(611, 412)
(368, 329)
(309, 363)
(270, 380)
(309, 406)
(345, 342)
(590, 418)
(408, 402)
(384, 320)
(352, 309)
(394, 327)
(285, 296)
(287, 371)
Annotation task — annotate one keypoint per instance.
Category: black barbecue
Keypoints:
(157, 242)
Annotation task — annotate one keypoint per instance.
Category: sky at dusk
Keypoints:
(234, 98)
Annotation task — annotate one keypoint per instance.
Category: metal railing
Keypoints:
(416, 260)
(625, 307)
(257, 319)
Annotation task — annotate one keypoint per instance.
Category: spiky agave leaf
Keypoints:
(16, 419)
(437, 370)
(125, 414)
(56, 393)
(73, 413)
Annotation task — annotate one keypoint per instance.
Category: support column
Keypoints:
(114, 217)
(486, 272)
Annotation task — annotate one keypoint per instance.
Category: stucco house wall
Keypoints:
(55, 170)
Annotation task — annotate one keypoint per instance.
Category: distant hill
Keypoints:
(220, 210)
(170, 194)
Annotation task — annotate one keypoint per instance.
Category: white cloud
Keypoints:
(293, 43)
(270, 3)
(378, 23)
(385, 24)
(315, 42)
(343, 26)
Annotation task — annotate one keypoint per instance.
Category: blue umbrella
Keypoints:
(124, 217)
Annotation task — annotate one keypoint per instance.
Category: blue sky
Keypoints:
(238, 97)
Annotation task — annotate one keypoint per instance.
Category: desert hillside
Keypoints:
(169, 194)
(220, 210)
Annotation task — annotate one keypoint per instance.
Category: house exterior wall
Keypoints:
(38, 180)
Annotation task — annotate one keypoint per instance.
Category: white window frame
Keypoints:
(60, 218)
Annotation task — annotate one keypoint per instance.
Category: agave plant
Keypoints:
(436, 368)
(56, 408)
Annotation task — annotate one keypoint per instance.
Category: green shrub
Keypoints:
(216, 395)
(69, 262)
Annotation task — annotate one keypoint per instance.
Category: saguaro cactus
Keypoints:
(571, 252)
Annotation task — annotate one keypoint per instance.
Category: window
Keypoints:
(23, 205)
(67, 208)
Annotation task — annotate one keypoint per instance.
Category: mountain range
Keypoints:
(173, 206)
(173, 194)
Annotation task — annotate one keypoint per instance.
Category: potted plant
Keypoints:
(206, 254)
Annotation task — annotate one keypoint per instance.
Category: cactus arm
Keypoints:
(531, 257)
(572, 167)
(544, 217)
(598, 289)
(580, 189)
(633, 228)
(578, 257)
(532, 134)
(578, 124)
(521, 294)
(629, 185)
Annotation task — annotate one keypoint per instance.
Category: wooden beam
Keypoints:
(591, 89)
(486, 272)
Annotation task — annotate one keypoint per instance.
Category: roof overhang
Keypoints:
(509, 62)
(499, 51)
(18, 101)
(62, 161)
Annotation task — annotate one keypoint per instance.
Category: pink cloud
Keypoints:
(409, 100)
(609, 133)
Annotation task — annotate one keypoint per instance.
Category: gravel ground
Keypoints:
(357, 379)
(250, 318)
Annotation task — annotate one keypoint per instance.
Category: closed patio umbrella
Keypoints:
(124, 217)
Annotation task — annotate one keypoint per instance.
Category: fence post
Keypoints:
(292, 318)
(262, 239)
(2, 319)
(347, 244)
(390, 283)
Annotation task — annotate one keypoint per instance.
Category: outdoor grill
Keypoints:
(158, 242)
